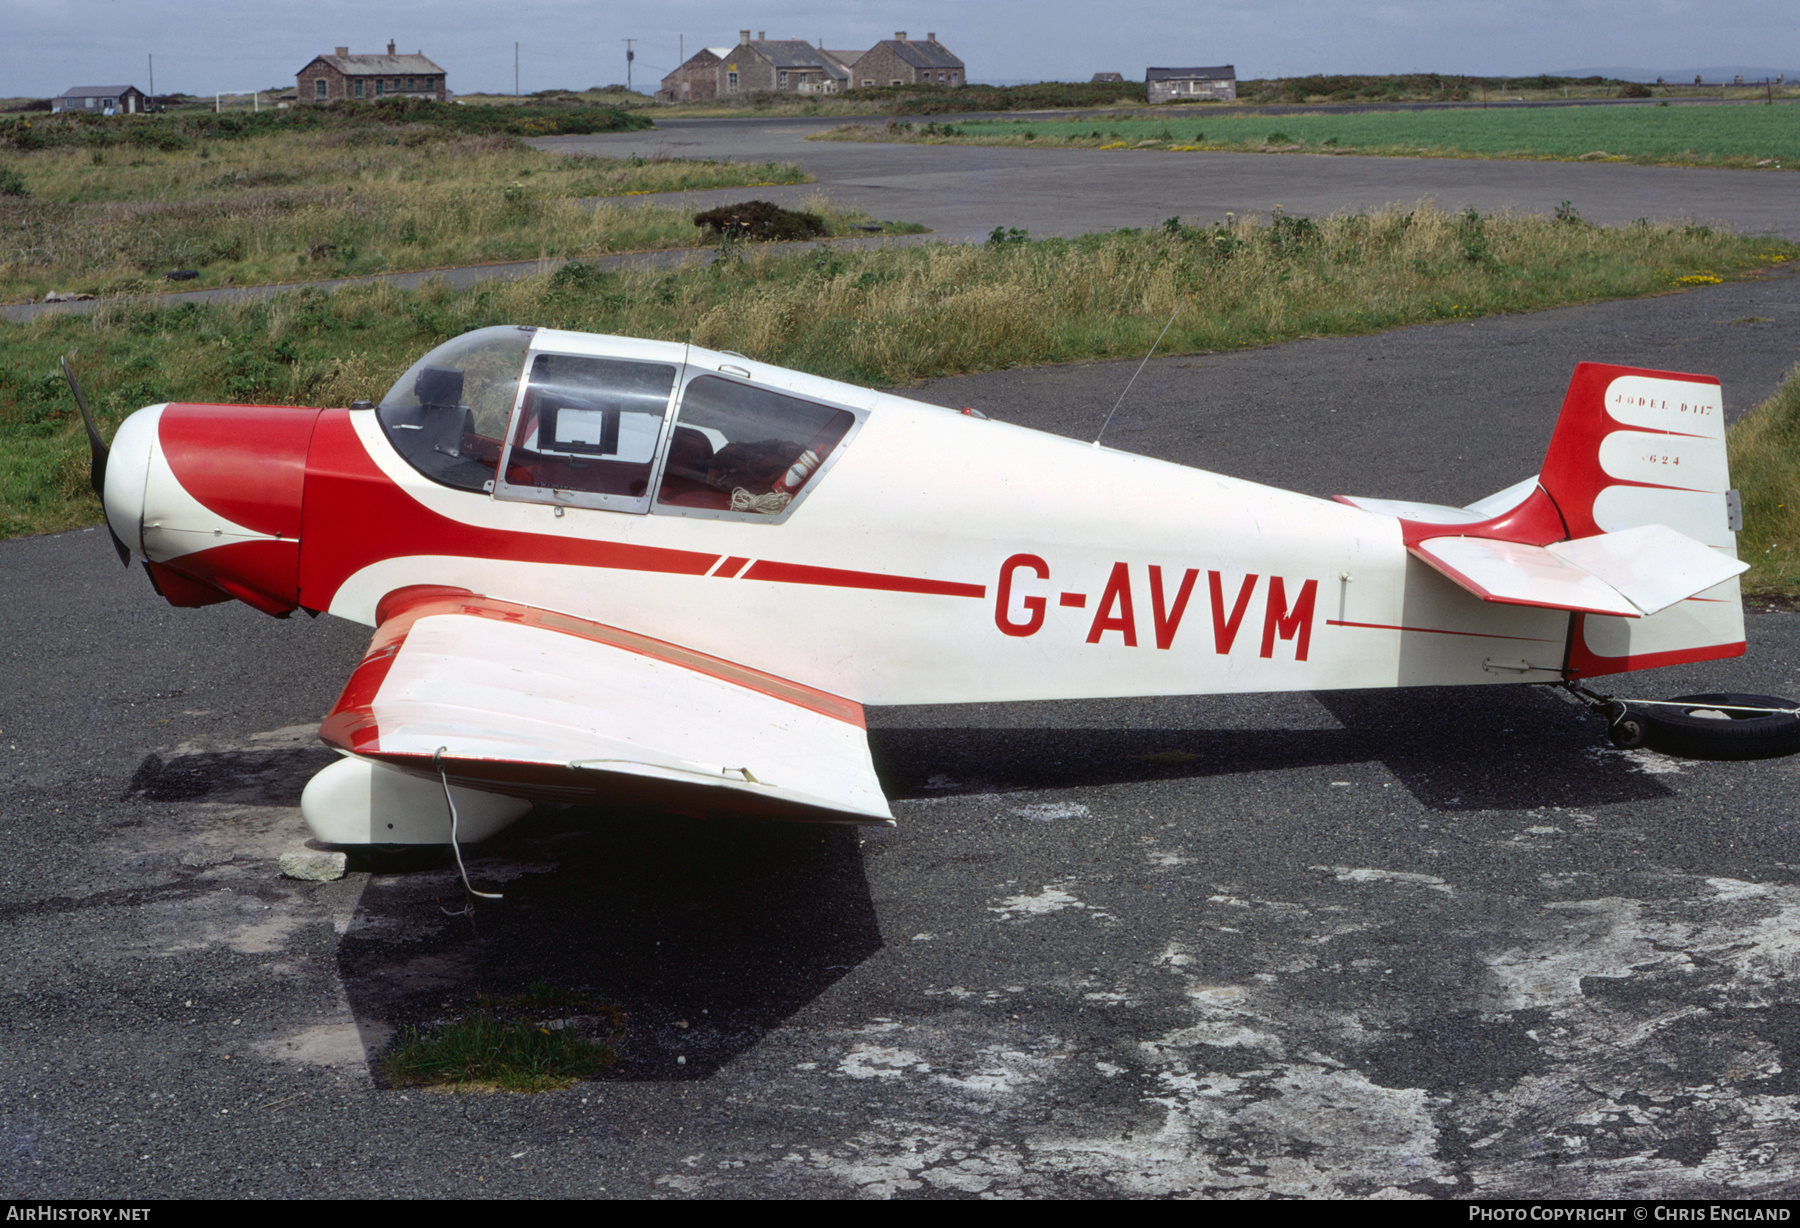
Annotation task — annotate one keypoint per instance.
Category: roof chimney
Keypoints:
(390, 46)
(343, 51)
(762, 36)
(931, 38)
(900, 35)
(743, 38)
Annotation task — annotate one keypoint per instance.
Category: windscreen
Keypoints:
(447, 415)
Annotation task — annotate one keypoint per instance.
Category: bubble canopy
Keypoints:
(609, 423)
(448, 413)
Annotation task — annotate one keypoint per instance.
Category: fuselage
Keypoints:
(928, 556)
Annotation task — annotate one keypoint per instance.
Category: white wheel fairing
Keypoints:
(357, 802)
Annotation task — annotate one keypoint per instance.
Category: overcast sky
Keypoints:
(201, 46)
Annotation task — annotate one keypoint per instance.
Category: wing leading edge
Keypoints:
(538, 704)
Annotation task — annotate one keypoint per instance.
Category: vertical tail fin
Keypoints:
(1635, 447)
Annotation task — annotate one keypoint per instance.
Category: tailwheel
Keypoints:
(1626, 729)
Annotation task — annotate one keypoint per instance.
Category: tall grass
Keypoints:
(903, 314)
(1764, 448)
(885, 316)
(335, 202)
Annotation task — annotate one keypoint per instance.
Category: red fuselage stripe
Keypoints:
(367, 519)
(1485, 635)
(833, 577)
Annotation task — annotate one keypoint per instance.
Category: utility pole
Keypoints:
(152, 59)
(630, 55)
(515, 70)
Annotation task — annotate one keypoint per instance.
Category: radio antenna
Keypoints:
(1135, 374)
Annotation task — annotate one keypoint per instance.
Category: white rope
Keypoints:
(769, 504)
(437, 761)
(1673, 703)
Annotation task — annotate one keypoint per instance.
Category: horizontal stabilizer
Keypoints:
(1496, 504)
(1629, 574)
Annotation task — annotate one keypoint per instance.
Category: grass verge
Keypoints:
(884, 316)
(295, 204)
(1764, 448)
(540, 1041)
(1734, 136)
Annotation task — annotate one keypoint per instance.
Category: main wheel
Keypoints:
(1717, 727)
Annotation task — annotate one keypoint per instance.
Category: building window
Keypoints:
(380, 86)
(359, 92)
(319, 89)
(731, 83)
(781, 79)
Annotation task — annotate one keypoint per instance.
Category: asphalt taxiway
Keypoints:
(964, 192)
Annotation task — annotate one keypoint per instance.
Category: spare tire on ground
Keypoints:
(1721, 726)
(758, 220)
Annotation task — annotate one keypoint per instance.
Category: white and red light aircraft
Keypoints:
(609, 568)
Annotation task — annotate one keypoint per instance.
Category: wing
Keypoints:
(537, 704)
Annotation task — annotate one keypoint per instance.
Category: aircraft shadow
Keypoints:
(705, 934)
(708, 935)
(1454, 749)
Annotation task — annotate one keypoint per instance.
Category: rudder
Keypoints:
(1636, 447)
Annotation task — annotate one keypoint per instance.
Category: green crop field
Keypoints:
(1688, 134)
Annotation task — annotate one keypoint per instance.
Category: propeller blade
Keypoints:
(97, 458)
(98, 450)
(119, 545)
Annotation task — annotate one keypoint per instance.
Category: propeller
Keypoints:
(97, 465)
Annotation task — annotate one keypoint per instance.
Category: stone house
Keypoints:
(1191, 84)
(101, 99)
(364, 78)
(902, 61)
(696, 79)
(763, 65)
